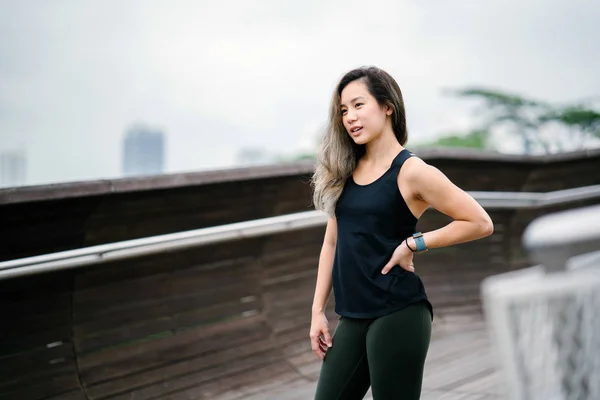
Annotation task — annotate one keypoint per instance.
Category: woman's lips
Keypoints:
(356, 132)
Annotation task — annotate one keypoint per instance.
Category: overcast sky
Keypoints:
(222, 75)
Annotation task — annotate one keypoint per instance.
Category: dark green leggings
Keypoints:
(386, 353)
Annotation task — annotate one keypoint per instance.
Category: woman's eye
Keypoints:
(343, 112)
(358, 105)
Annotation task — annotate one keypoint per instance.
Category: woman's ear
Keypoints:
(389, 109)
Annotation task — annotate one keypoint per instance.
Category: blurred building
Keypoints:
(12, 168)
(143, 151)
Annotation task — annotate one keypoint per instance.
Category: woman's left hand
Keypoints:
(403, 257)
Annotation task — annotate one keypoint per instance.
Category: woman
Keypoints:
(374, 191)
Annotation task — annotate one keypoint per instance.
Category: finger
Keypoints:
(323, 346)
(327, 338)
(314, 344)
(410, 267)
(321, 351)
(319, 347)
(318, 351)
(387, 268)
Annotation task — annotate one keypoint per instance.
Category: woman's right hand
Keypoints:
(320, 339)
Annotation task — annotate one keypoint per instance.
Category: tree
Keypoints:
(582, 122)
(476, 139)
(539, 125)
(514, 113)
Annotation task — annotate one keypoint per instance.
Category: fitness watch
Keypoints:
(420, 242)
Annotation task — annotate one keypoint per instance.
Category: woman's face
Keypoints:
(363, 118)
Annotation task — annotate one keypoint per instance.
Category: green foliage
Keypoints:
(305, 157)
(579, 117)
(525, 118)
(475, 139)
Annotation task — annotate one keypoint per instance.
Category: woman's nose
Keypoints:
(350, 116)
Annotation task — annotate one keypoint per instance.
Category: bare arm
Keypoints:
(431, 186)
(320, 337)
(323, 286)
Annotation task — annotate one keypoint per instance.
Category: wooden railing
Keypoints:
(198, 321)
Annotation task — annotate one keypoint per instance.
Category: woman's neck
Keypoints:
(382, 149)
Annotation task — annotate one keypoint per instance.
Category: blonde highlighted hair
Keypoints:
(338, 154)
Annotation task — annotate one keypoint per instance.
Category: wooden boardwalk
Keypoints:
(459, 366)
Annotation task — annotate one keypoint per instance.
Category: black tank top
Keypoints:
(372, 220)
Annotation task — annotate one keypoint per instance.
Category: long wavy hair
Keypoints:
(338, 154)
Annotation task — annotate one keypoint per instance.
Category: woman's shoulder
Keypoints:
(416, 171)
(413, 166)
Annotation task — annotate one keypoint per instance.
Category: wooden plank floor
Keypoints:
(459, 366)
